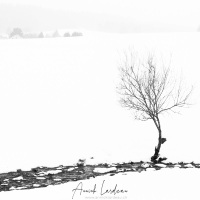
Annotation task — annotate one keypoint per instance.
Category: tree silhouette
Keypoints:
(150, 91)
(76, 34)
(41, 35)
(16, 32)
(56, 34)
(66, 34)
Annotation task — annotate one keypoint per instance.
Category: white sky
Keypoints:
(182, 12)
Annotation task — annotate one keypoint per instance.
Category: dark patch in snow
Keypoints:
(45, 176)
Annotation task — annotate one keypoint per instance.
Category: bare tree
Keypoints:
(16, 32)
(150, 91)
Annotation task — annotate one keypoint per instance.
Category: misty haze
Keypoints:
(37, 19)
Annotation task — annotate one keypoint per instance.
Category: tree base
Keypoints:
(155, 158)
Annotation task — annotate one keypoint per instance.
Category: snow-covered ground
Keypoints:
(59, 104)
(166, 184)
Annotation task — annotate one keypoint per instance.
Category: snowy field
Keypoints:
(59, 104)
(166, 184)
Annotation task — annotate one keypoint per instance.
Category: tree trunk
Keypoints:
(157, 149)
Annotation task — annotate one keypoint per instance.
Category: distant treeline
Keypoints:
(18, 33)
